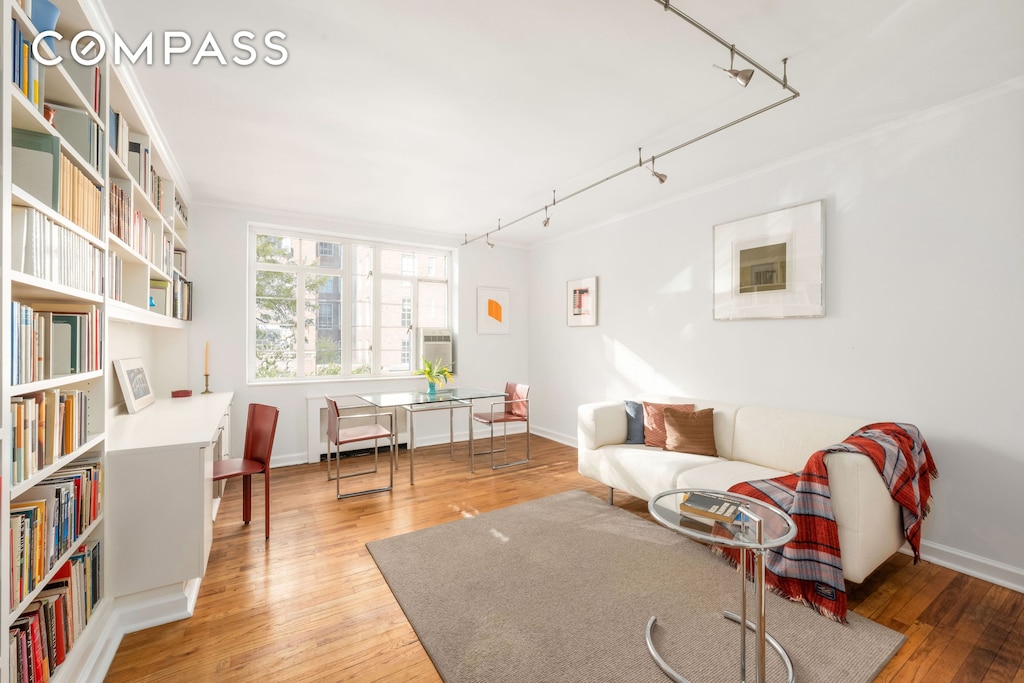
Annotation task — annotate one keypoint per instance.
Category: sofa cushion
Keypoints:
(654, 422)
(690, 431)
(721, 474)
(784, 439)
(634, 422)
(636, 469)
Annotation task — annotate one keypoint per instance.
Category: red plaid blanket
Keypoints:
(809, 568)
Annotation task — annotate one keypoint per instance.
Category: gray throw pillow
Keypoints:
(634, 422)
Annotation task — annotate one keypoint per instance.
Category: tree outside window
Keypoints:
(324, 307)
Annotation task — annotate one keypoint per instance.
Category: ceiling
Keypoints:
(447, 116)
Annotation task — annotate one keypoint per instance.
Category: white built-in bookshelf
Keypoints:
(95, 236)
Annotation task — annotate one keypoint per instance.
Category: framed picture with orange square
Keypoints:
(492, 310)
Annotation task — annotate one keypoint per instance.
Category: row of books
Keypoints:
(80, 199)
(180, 209)
(133, 149)
(181, 297)
(27, 72)
(45, 426)
(45, 632)
(115, 276)
(139, 165)
(48, 250)
(117, 135)
(48, 521)
(131, 227)
(54, 339)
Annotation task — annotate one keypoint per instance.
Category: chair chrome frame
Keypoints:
(504, 428)
(392, 453)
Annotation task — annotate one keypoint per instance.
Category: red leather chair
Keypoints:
(515, 408)
(338, 435)
(260, 427)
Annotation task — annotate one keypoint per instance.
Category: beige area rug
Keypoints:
(561, 589)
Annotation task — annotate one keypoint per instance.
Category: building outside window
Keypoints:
(328, 307)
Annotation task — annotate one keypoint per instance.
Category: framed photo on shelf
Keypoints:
(581, 302)
(131, 375)
(772, 265)
(492, 310)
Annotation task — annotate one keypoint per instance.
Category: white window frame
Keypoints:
(348, 272)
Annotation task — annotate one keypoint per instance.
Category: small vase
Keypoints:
(431, 387)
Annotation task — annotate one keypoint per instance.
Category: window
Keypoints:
(325, 307)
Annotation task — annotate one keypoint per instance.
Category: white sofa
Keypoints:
(753, 442)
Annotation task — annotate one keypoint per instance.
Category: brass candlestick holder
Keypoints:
(207, 389)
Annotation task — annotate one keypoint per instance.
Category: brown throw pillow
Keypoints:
(690, 431)
(654, 421)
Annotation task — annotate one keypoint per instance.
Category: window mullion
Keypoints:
(377, 359)
(348, 269)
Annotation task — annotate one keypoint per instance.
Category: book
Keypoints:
(35, 165)
(714, 507)
(80, 131)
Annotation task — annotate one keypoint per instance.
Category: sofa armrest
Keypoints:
(600, 424)
(868, 518)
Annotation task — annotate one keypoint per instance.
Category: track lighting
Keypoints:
(547, 218)
(660, 176)
(742, 77)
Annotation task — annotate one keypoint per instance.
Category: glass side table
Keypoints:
(754, 526)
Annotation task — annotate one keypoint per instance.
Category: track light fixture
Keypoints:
(660, 176)
(547, 218)
(742, 77)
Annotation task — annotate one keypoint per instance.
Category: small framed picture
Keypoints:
(581, 302)
(772, 265)
(492, 310)
(131, 375)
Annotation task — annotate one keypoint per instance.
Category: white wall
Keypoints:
(924, 284)
(218, 267)
(924, 291)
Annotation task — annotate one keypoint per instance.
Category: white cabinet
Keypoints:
(160, 492)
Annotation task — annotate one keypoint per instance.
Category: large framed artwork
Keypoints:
(131, 375)
(581, 302)
(772, 265)
(492, 310)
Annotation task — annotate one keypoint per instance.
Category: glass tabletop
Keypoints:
(394, 399)
(722, 518)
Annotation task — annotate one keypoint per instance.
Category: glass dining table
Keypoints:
(413, 402)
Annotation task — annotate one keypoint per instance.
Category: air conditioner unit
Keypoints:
(436, 343)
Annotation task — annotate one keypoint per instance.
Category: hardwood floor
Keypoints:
(310, 604)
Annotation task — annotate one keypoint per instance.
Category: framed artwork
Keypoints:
(492, 311)
(772, 265)
(581, 302)
(131, 375)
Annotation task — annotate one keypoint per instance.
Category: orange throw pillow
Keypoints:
(689, 431)
(654, 421)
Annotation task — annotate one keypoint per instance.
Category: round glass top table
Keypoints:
(733, 521)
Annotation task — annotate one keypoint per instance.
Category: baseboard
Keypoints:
(288, 459)
(563, 439)
(155, 607)
(979, 567)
